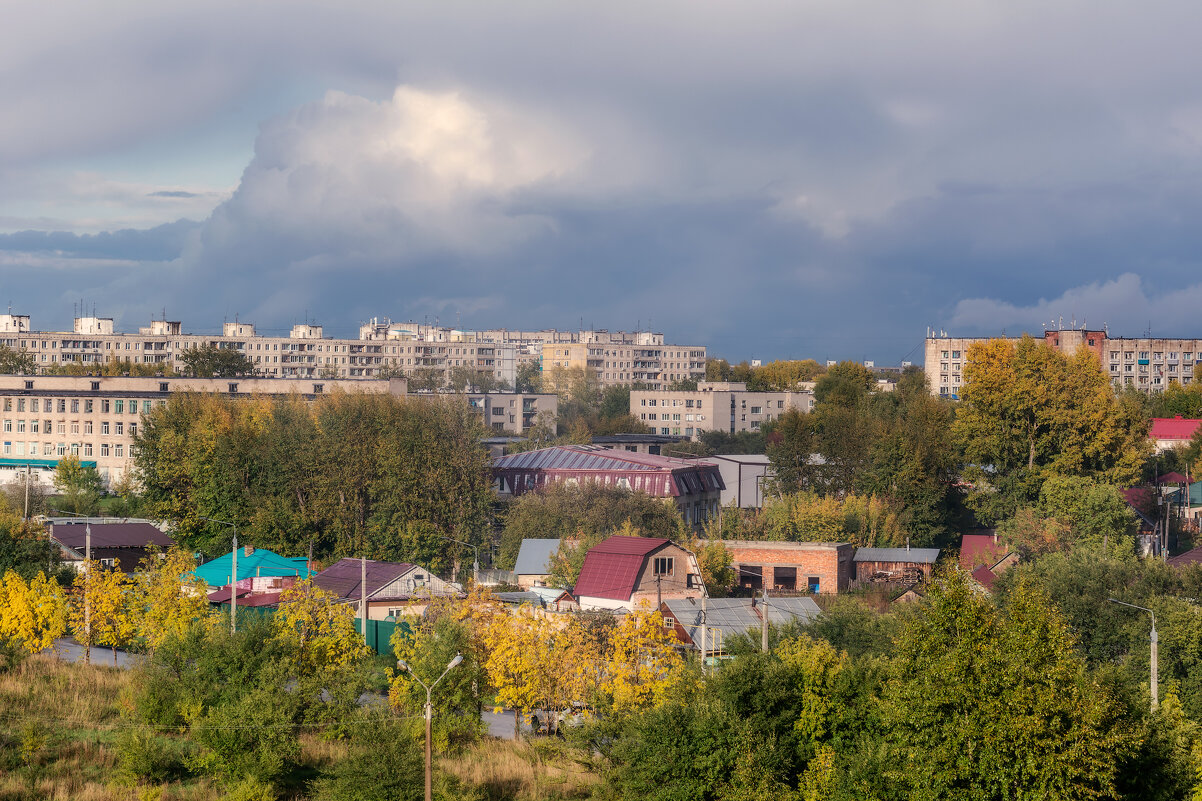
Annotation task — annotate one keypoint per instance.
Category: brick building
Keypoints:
(815, 567)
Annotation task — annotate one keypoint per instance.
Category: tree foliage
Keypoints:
(211, 361)
(357, 474)
(17, 362)
(80, 485)
(33, 614)
(1028, 412)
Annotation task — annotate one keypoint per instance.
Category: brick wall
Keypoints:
(830, 563)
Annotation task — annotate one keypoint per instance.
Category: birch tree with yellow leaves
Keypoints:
(319, 632)
(101, 611)
(33, 614)
(643, 665)
(166, 596)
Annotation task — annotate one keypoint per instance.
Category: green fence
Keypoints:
(379, 632)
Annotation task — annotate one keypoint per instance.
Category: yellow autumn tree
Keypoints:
(32, 615)
(319, 632)
(517, 657)
(101, 609)
(167, 597)
(643, 665)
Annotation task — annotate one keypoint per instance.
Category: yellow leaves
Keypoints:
(321, 632)
(32, 615)
(110, 615)
(167, 598)
(643, 661)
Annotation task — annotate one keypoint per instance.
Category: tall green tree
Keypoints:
(17, 362)
(988, 703)
(1027, 412)
(210, 361)
(80, 486)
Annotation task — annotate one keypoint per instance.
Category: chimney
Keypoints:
(995, 536)
(907, 543)
(248, 550)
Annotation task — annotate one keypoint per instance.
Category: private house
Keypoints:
(534, 562)
(744, 475)
(1167, 433)
(777, 566)
(723, 618)
(694, 486)
(260, 572)
(985, 558)
(621, 572)
(119, 546)
(550, 599)
(909, 565)
(393, 588)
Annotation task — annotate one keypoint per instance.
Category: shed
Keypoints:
(534, 562)
(893, 564)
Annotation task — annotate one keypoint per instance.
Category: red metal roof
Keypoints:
(662, 476)
(1173, 427)
(980, 549)
(611, 568)
(110, 535)
(1172, 478)
(984, 576)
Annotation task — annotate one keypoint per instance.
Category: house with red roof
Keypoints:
(621, 572)
(1169, 432)
(985, 558)
(695, 486)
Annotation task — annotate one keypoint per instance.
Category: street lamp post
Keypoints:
(1155, 680)
(476, 558)
(233, 573)
(401, 663)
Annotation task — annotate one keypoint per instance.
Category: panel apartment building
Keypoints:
(714, 406)
(1144, 363)
(96, 418)
(382, 347)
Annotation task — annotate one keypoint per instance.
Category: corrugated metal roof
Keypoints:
(1173, 427)
(342, 578)
(926, 556)
(738, 615)
(534, 557)
(110, 535)
(611, 567)
(262, 562)
(656, 475)
(977, 549)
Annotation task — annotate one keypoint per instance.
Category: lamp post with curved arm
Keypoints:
(1155, 680)
(401, 663)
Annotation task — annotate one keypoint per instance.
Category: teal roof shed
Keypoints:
(260, 562)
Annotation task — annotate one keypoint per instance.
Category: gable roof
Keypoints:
(612, 567)
(109, 535)
(1178, 427)
(925, 556)
(1192, 557)
(216, 572)
(980, 549)
(343, 577)
(984, 576)
(662, 476)
(1172, 478)
(534, 557)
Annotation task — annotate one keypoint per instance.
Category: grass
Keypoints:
(60, 723)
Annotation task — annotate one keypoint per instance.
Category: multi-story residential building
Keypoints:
(382, 348)
(1144, 363)
(96, 418)
(713, 406)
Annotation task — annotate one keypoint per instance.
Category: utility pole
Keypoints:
(658, 592)
(703, 600)
(764, 623)
(87, 594)
(234, 585)
(363, 597)
(27, 492)
(1154, 680)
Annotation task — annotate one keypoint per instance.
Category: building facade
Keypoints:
(382, 348)
(1144, 363)
(713, 406)
(96, 418)
(813, 567)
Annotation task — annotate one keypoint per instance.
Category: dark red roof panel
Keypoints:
(978, 549)
(342, 578)
(984, 576)
(110, 535)
(611, 568)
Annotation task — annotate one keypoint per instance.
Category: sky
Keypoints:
(793, 179)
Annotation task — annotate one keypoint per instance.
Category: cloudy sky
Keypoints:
(800, 178)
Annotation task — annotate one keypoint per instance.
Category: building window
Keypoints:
(62, 405)
(662, 566)
(74, 405)
(120, 428)
(814, 584)
(119, 407)
(104, 449)
(60, 449)
(87, 449)
(133, 429)
(95, 386)
(88, 406)
(119, 451)
(104, 427)
(104, 406)
(87, 426)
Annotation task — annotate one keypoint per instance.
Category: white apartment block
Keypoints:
(96, 418)
(382, 347)
(714, 406)
(1143, 363)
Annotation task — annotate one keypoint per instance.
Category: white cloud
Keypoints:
(1123, 305)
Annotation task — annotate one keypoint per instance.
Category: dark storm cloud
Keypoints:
(772, 179)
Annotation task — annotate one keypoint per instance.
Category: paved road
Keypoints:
(499, 725)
